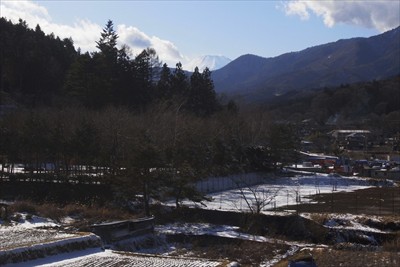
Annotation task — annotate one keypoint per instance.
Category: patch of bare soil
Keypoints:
(331, 257)
(372, 201)
(247, 253)
(334, 257)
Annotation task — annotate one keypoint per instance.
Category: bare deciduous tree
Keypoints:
(257, 198)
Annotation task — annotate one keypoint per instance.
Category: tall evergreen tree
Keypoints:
(142, 76)
(108, 41)
(98, 73)
(179, 81)
(202, 98)
(212, 104)
(164, 84)
(79, 84)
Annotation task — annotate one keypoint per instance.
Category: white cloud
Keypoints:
(382, 15)
(26, 10)
(170, 52)
(85, 33)
(138, 40)
(297, 8)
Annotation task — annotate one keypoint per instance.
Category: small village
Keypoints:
(361, 153)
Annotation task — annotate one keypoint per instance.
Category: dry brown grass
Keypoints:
(334, 258)
(104, 214)
(88, 214)
(329, 257)
(392, 245)
(51, 211)
(379, 201)
(247, 253)
(320, 218)
(23, 206)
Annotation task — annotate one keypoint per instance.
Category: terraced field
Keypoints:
(15, 237)
(113, 259)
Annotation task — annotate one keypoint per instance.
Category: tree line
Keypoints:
(160, 152)
(42, 70)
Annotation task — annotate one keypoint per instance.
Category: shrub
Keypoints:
(320, 218)
(90, 214)
(73, 209)
(51, 211)
(24, 206)
(3, 213)
(102, 214)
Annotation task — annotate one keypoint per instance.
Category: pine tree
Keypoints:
(106, 69)
(108, 41)
(143, 73)
(211, 102)
(79, 85)
(164, 84)
(122, 89)
(194, 102)
(179, 81)
(202, 99)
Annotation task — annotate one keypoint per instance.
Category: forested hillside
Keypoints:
(372, 105)
(41, 70)
(33, 66)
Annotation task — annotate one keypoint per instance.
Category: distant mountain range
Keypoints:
(342, 62)
(212, 62)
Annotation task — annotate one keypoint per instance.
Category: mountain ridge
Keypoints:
(331, 64)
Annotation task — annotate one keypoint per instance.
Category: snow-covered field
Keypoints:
(281, 191)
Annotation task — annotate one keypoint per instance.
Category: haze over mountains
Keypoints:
(341, 62)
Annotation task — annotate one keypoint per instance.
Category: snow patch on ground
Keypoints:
(227, 231)
(291, 251)
(32, 221)
(27, 232)
(281, 192)
(349, 222)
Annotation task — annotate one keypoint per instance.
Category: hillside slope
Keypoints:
(332, 64)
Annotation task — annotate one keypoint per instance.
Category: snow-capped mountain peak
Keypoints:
(212, 62)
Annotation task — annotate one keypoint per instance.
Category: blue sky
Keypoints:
(183, 30)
